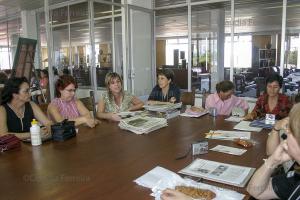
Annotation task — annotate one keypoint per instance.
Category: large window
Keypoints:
(176, 49)
(242, 51)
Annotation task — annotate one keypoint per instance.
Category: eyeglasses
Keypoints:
(71, 90)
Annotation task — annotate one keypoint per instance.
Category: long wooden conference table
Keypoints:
(101, 163)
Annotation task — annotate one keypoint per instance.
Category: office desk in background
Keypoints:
(102, 163)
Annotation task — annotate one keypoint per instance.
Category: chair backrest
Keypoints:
(188, 98)
(44, 107)
(88, 103)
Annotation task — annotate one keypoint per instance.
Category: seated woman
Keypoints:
(17, 111)
(284, 186)
(44, 86)
(224, 100)
(165, 90)
(115, 100)
(271, 102)
(274, 136)
(66, 106)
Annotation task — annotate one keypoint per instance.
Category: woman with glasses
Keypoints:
(66, 106)
(224, 100)
(286, 185)
(17, 111)
(272, 101)
(115, 99)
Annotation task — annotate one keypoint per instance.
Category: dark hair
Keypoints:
(55, 72)
(63, 82)
(3, 77)
(274, 77)
(168, 73)
(11, 87)
(66, 71)
(297, 98)
(224, 86)
(45, 72)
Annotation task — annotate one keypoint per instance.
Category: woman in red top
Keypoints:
(271, 102)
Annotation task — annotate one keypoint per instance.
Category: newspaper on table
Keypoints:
(228, 135)
(228, 150)
(220, 172)
(234, 119)
(142, 124)
(163, 107)
(245, 126)
(159, 179)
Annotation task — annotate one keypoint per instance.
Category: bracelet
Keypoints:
(277, 130)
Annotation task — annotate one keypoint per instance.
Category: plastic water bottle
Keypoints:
(35, 133)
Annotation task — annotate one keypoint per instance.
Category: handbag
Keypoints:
(8, 142)
(63, 130)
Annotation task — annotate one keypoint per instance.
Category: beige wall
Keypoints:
(260, 41)
(160, 53)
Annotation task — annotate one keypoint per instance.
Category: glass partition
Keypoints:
(257, 44)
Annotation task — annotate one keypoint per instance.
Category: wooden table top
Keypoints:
(101, 163)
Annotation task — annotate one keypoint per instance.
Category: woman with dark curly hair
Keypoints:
(165, 90)
(272, 101)
(17, 111)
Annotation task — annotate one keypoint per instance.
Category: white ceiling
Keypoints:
(256, 16)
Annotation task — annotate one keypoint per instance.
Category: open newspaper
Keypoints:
(142, 124)
(220, 172)
(163, 107)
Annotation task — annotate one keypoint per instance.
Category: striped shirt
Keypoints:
(67, 109)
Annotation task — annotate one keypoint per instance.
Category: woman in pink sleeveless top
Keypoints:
(66, 106)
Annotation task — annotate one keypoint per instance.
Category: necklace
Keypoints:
(19, 114)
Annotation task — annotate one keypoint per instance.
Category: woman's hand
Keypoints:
(279, 156)
(169, 194)
(282, 124)
(249, 117)
(115, 117)
(45, 132)
(91, 122)
(172, 100)
(197, 109)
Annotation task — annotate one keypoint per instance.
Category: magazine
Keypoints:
(261, 123)
(220, 172)
(190, 113)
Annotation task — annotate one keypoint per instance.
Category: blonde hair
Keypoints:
(294, 121)
(108, 80)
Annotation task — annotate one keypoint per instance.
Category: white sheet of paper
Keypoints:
(229, 150)
(234, 119)
(245, 126)
(228, 135)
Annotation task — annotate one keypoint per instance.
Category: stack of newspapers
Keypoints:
(142, 124)
(163, 107)
(167, 111)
